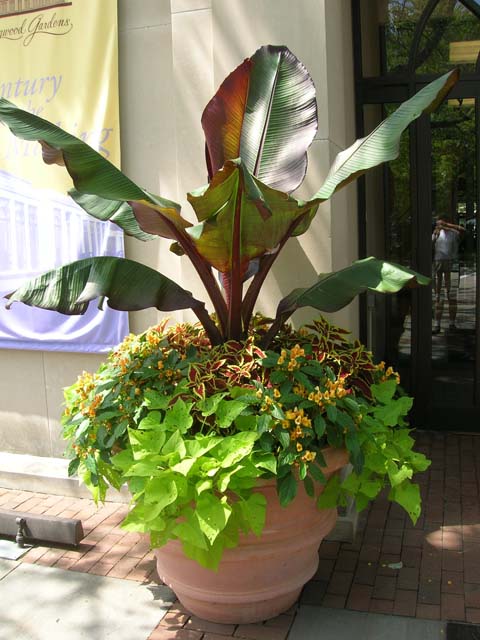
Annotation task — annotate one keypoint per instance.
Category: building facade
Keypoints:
(365, 56)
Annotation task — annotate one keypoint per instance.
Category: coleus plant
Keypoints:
(192, 429)
(258, 127)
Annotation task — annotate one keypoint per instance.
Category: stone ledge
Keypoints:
(22, 472)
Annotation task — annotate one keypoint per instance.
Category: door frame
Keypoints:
(397, 88)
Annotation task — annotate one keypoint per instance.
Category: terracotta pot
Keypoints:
(262, 577)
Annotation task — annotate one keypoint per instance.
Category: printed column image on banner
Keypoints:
(58, 60)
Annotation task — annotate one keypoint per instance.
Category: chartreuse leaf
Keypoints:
(128, 286)
(155, 400)
(205, 484)
(223, 480)
(135, 520)
(232, 449)
(227, 411)
(407, 495)
(184, 466)
(209, 405)
(265, 460)
(209, 558)
(188, 530)
(175, 444)
(201, 445)
(247, 423)
(123, 460)
(383, 144)
(419, 461)
(398, 474)
(391, 413)
(333, 291)
(152, 420)
(384, 391)
(145, 443)
(178, 416)
(329, 498)
(254, 510)
(212, 515)
(163, 491)
(351, 483)
(371, 488)
(361, 501)
(264, 112)
(149, 466)
(403, 439)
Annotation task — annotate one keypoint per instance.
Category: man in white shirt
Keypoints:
(445, 239)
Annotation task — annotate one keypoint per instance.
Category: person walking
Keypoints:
(445, 239)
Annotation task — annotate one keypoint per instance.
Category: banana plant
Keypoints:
(258, 127)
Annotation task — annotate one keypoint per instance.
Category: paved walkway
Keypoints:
(428, 572)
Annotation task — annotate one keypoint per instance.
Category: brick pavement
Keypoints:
(428, 571)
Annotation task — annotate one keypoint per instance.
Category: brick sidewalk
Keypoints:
(428, 571)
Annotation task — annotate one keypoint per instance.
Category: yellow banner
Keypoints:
(59, 61)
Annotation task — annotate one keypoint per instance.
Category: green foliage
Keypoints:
(191, 429)
(191, 417)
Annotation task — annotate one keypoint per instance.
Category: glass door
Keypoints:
(422, 210)
(454, 309)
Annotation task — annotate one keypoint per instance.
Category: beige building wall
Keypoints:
(173, 55)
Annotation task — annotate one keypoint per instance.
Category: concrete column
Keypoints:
(148, 123)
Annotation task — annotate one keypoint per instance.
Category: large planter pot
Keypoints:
(262, 577)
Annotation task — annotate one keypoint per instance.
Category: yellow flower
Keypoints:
(297, 352)
(299, 447)
(276, 393)
(300, 390)
(309, 456)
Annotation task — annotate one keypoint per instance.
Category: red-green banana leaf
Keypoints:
(128, 285)
(264, 112)
(238, 213)
(383, 144)
(333, 291)
(92, 174)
